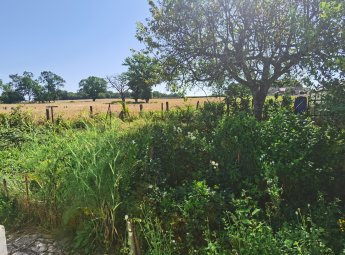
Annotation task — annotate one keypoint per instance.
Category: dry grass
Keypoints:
(74, 109)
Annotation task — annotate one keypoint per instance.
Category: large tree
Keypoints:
(144, 71)
(52, 83)
(251, 42)
(93, 86)
(120, 84)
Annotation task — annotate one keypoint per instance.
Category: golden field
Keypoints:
(74, 109)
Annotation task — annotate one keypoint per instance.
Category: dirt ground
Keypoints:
(74, 109)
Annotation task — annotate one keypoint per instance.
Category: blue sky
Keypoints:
(72, 38)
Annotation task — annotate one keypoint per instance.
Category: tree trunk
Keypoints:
(123, 98)
(259, 97)
(94, 99)
(136, 100)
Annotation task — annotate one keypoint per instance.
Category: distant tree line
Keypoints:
(45, 88)
(48, 87)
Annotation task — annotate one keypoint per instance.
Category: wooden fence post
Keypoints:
(141, 107)
(109, 113)
(52, 113)
(167, 106)
(5, 187)
(26, 181)
(91, 111)
(197, 105)
(133, 239)
(47, 114)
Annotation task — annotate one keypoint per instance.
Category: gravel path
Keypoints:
(35, 244)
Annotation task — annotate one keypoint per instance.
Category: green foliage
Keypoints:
(24, 84)
(51, 83)
(293, 150)
(93, 86)
(7, 210)
(179, 175)
(9, 95)
(210, 115)
(143, 72)
(236, 150)
(14, 128)
(248, 234)
(334, 104)
(238, 97)
(158, 240)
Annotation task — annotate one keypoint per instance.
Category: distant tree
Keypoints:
(120, 84)
(93, 86)
(135, 87)
(146, 93)
(52, 83)
(40, 94)
(24, 84)
(143, 72)
(10, 95)
(62, 94)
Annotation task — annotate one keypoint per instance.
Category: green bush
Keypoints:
(294, 150)
(235, 152)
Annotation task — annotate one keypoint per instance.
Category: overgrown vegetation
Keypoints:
(206, 181)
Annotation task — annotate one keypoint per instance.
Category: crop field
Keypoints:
(74, 109)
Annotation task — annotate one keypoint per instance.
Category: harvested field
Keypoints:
(74, 109)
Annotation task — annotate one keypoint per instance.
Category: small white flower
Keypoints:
(191, 136)
(150, 186)
(126, 217)
(214, 164)
(133, 142)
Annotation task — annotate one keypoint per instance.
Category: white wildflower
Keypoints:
(214, 164)
(177, 129)
(191, 136)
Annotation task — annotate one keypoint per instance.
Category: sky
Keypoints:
(72, 38)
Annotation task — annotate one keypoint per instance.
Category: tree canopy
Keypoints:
(93, 86)
(51, 83)
(24, 84)
(10, 95)
(251, 42)
(143, 72)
